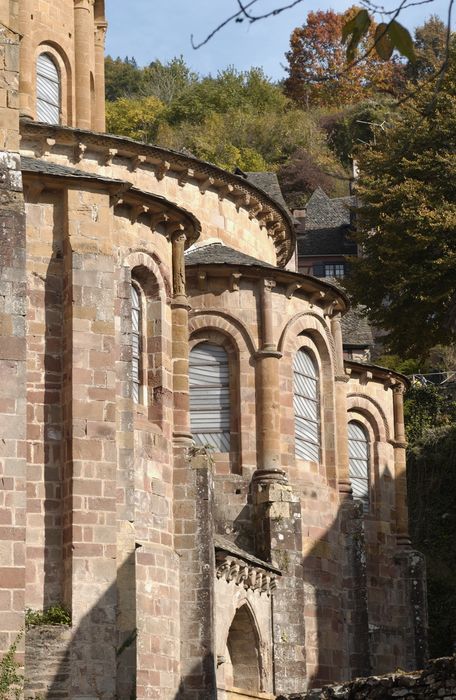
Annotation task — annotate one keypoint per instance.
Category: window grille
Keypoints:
(47, 90)
(306, 407)
(136, 331)
(210, 413)
(358, 451)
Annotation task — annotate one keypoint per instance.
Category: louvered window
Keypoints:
(136, 330)
(358, 450)
(47, 90)
(306, 407)
(210, 396)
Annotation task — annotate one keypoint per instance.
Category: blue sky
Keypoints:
(150, 29)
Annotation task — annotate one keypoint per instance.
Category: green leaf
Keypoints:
(403, 42)
(383, 44)
(355, 28)
(360, 23)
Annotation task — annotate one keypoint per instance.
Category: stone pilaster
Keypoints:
(98, 118)
(90, 527)
(193, 511)
(26, 57)
(83, 37)
(400, 474)
(278, 539)
(12, 341)
(341, 422)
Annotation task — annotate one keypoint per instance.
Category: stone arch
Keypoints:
(206, 326)
(225, 323)
(371, 415)
(243, 646)
(146, 273)
(63, 65)
(308, 322)
(372, 411)
(151, 262)
(308, 331)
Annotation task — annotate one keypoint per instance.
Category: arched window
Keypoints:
(210, 396)
(47, 90)
(358, 451)
(306, 406)
(136, 342)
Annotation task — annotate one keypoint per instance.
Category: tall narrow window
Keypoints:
(136, 332)
(47, 90)
(210, 396)
(358, 450)
(306, 407)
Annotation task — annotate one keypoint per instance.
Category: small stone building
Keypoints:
(186, 462)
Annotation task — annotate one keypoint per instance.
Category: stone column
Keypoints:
(341, 417)
(193, 511)
(83, 37)
(180, 309)
(26, 81)
(98, 118)
(400, 474)
(268, 387)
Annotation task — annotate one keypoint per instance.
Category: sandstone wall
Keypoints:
(437, 680)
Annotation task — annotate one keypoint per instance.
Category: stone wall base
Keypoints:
(47, 669)
(436, 680)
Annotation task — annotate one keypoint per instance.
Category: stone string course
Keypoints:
(437, 681)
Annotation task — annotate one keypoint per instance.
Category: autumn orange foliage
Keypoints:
(318, 72)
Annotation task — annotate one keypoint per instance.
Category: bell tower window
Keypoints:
(48, 89)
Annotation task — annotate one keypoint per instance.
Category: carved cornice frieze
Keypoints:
(245, 574)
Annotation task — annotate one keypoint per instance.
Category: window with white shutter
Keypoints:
(47, 90)
(210, 411)
(136, 352)
(306, 406)
(358, 451)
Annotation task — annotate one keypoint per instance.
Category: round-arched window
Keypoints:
(47, 90)
(358, 452)
(210, 396)
(306, 406)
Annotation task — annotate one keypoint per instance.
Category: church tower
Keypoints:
(62, 62)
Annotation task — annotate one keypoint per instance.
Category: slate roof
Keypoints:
(326, 225)
(323, 212)
(356, 330)
(269, 183)
(228, 546)
(219, 254)
(34, 165)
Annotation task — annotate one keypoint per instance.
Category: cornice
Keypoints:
(259, 205)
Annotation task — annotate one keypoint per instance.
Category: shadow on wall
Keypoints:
(356, 587)
(85, 668)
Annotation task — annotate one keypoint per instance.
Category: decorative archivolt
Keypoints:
(311, 323)
(372, 411)
(153, 264)
(205, 319)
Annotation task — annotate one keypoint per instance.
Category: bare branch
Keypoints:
(242, 14)
(234, 17)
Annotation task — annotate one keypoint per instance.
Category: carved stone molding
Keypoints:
(245, 574)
